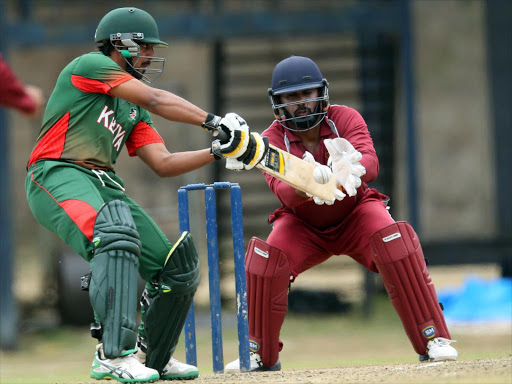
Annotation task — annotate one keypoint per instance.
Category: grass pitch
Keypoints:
(64, 354)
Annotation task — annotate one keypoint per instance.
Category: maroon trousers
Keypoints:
(371, 237)
(306, 246)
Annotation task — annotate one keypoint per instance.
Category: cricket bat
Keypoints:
(293, 171)
(296, 172)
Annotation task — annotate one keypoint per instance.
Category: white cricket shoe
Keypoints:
(125, 368)
(439, 349)
(256, 365)
(174, 369)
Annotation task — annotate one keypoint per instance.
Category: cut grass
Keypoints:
(64, 354)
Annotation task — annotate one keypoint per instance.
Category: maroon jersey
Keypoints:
(340, 121)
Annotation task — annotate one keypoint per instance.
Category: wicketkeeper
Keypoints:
(307, 230)
(99, 106)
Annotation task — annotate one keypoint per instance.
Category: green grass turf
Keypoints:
(64, 354)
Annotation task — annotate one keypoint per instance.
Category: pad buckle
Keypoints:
(85, 281)
(96, 331)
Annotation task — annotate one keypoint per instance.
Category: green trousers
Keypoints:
(65, 198)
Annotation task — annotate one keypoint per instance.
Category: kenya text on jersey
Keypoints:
(117, 130)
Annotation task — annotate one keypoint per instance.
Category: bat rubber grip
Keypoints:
(220, 135)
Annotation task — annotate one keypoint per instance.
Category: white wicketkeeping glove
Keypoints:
(326, 171)
(345, 162)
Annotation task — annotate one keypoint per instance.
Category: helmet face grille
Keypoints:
(304, 122)
(136, 63)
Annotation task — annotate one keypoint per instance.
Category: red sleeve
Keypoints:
(143, 134)
(97, 86)
(12, 90)
(284, 192)
(352, 127)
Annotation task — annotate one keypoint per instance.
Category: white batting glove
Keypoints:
(325, 173)
(345, 162)
(237, 129)
(234, 164)
(255, 152)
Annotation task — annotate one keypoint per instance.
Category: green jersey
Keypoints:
(83, 123)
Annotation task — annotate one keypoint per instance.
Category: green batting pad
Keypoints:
(167, 310)
(114, 268)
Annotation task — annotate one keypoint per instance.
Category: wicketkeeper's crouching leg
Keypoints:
(397, 253)
(113, 295)
(268, 278)
(164, 307)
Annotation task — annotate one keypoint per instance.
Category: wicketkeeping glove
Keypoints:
(345, 163)
(338, 195)
(236, 131)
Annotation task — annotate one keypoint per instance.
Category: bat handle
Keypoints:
(219, 134)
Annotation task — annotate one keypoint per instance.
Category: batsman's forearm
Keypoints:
(179, 163)
(175, 108)
(160, 102)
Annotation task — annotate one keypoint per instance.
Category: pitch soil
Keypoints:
(498, 370)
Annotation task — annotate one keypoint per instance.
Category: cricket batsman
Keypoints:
(100, 104)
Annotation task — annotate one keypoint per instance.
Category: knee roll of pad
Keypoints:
(167, 310)
(397, 253)
(180, 274)
(114, 229)
(114, 274)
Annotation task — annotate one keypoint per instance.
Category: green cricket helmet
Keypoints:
(125, 29)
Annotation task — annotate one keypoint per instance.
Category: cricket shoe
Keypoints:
(439, 349)
(125, 368)
(174, 369)
(256, 365)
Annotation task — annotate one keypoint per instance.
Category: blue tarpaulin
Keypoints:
(478, 301)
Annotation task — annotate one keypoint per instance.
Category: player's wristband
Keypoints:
(215, 150)
(212, 122)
